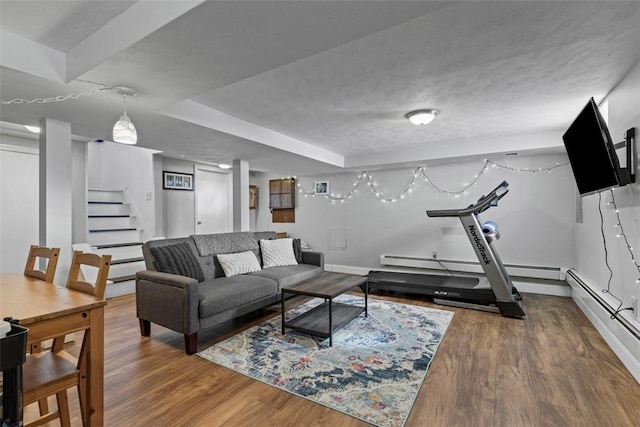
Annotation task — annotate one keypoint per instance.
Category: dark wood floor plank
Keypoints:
(551, 369)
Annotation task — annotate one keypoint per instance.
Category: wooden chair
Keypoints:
(76, 279)
(51, 254)
(30, 269)
(49, 373)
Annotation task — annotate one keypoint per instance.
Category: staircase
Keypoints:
(112, 228)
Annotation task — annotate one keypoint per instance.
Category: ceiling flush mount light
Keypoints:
(124, 131)
(421, 117)
(224, 166)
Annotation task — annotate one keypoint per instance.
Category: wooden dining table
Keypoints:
(51, 311)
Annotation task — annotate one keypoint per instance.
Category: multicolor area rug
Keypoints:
(373, 371)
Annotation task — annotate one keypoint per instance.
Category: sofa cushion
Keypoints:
(223, 294)
(277, 253)
(225, 243)
(177, 259)
(291, 275)
(238, 263)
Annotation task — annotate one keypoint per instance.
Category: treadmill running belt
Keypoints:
(422, 280)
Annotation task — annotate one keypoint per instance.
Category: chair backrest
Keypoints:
(78, 283)
(51, 254)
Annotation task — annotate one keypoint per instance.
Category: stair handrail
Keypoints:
(145, 227)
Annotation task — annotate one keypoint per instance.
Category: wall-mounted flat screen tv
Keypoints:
(592, 154)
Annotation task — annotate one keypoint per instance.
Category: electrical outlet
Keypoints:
(435, 254)
(634, 306)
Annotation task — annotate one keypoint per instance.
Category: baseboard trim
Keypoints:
(555, 290)
(559, 290)
(611, 330)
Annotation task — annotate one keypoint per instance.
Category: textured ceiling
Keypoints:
(58, 24)
(303, 87)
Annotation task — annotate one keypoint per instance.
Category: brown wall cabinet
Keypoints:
(282, 199)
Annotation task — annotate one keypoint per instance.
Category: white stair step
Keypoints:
(119, 289)
(105, 195)
(113, 237)
(109, 221)
(108, 209)
(121, 252)
(128, 269)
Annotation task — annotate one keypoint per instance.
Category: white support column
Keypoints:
(55, 192)
(240, 195)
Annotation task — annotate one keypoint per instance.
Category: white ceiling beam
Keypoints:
(22, 54)
(137, 22)
(201, 115)
(549, 141)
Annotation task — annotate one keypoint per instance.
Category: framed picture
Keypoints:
(177, 181)
(322, 187)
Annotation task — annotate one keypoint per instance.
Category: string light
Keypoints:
(59, 98)
(620, 233)
(364, 178)
(533, 171)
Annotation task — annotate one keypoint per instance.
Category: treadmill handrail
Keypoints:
(484, 203)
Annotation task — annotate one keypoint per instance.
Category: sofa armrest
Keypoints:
(169, 300)
(313, 258)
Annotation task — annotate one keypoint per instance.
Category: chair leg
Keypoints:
(191, 343)
(145, 327)
(43, 404)
(63, 408)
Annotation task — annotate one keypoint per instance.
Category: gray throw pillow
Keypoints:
(177, 259)
(297, 250)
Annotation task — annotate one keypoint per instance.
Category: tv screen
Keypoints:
(591, 152)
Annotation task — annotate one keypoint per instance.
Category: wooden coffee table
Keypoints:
(329, 316)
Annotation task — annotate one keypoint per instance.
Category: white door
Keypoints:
(212, 202)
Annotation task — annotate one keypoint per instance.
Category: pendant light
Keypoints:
(124, 131)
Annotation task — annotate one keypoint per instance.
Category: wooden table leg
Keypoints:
(94, 416)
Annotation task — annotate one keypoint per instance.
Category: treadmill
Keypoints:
(459, 291)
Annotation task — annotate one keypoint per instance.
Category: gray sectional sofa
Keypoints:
(185, 288)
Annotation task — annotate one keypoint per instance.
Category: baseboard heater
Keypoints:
(573, 278)
(534, 272)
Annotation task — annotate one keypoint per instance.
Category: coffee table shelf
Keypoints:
(316, 320)
(326, 318)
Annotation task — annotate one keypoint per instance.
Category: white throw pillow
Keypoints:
(277, 253)
(238, 263)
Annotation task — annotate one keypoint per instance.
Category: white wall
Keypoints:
(19, 199)
(179, 206)
(79, 192)
(624, 112)
(19, 193)
(535, 219)
(260, 217)
(159, 196)
(115, 166)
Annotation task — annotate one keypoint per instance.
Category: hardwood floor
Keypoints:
(551, 369)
